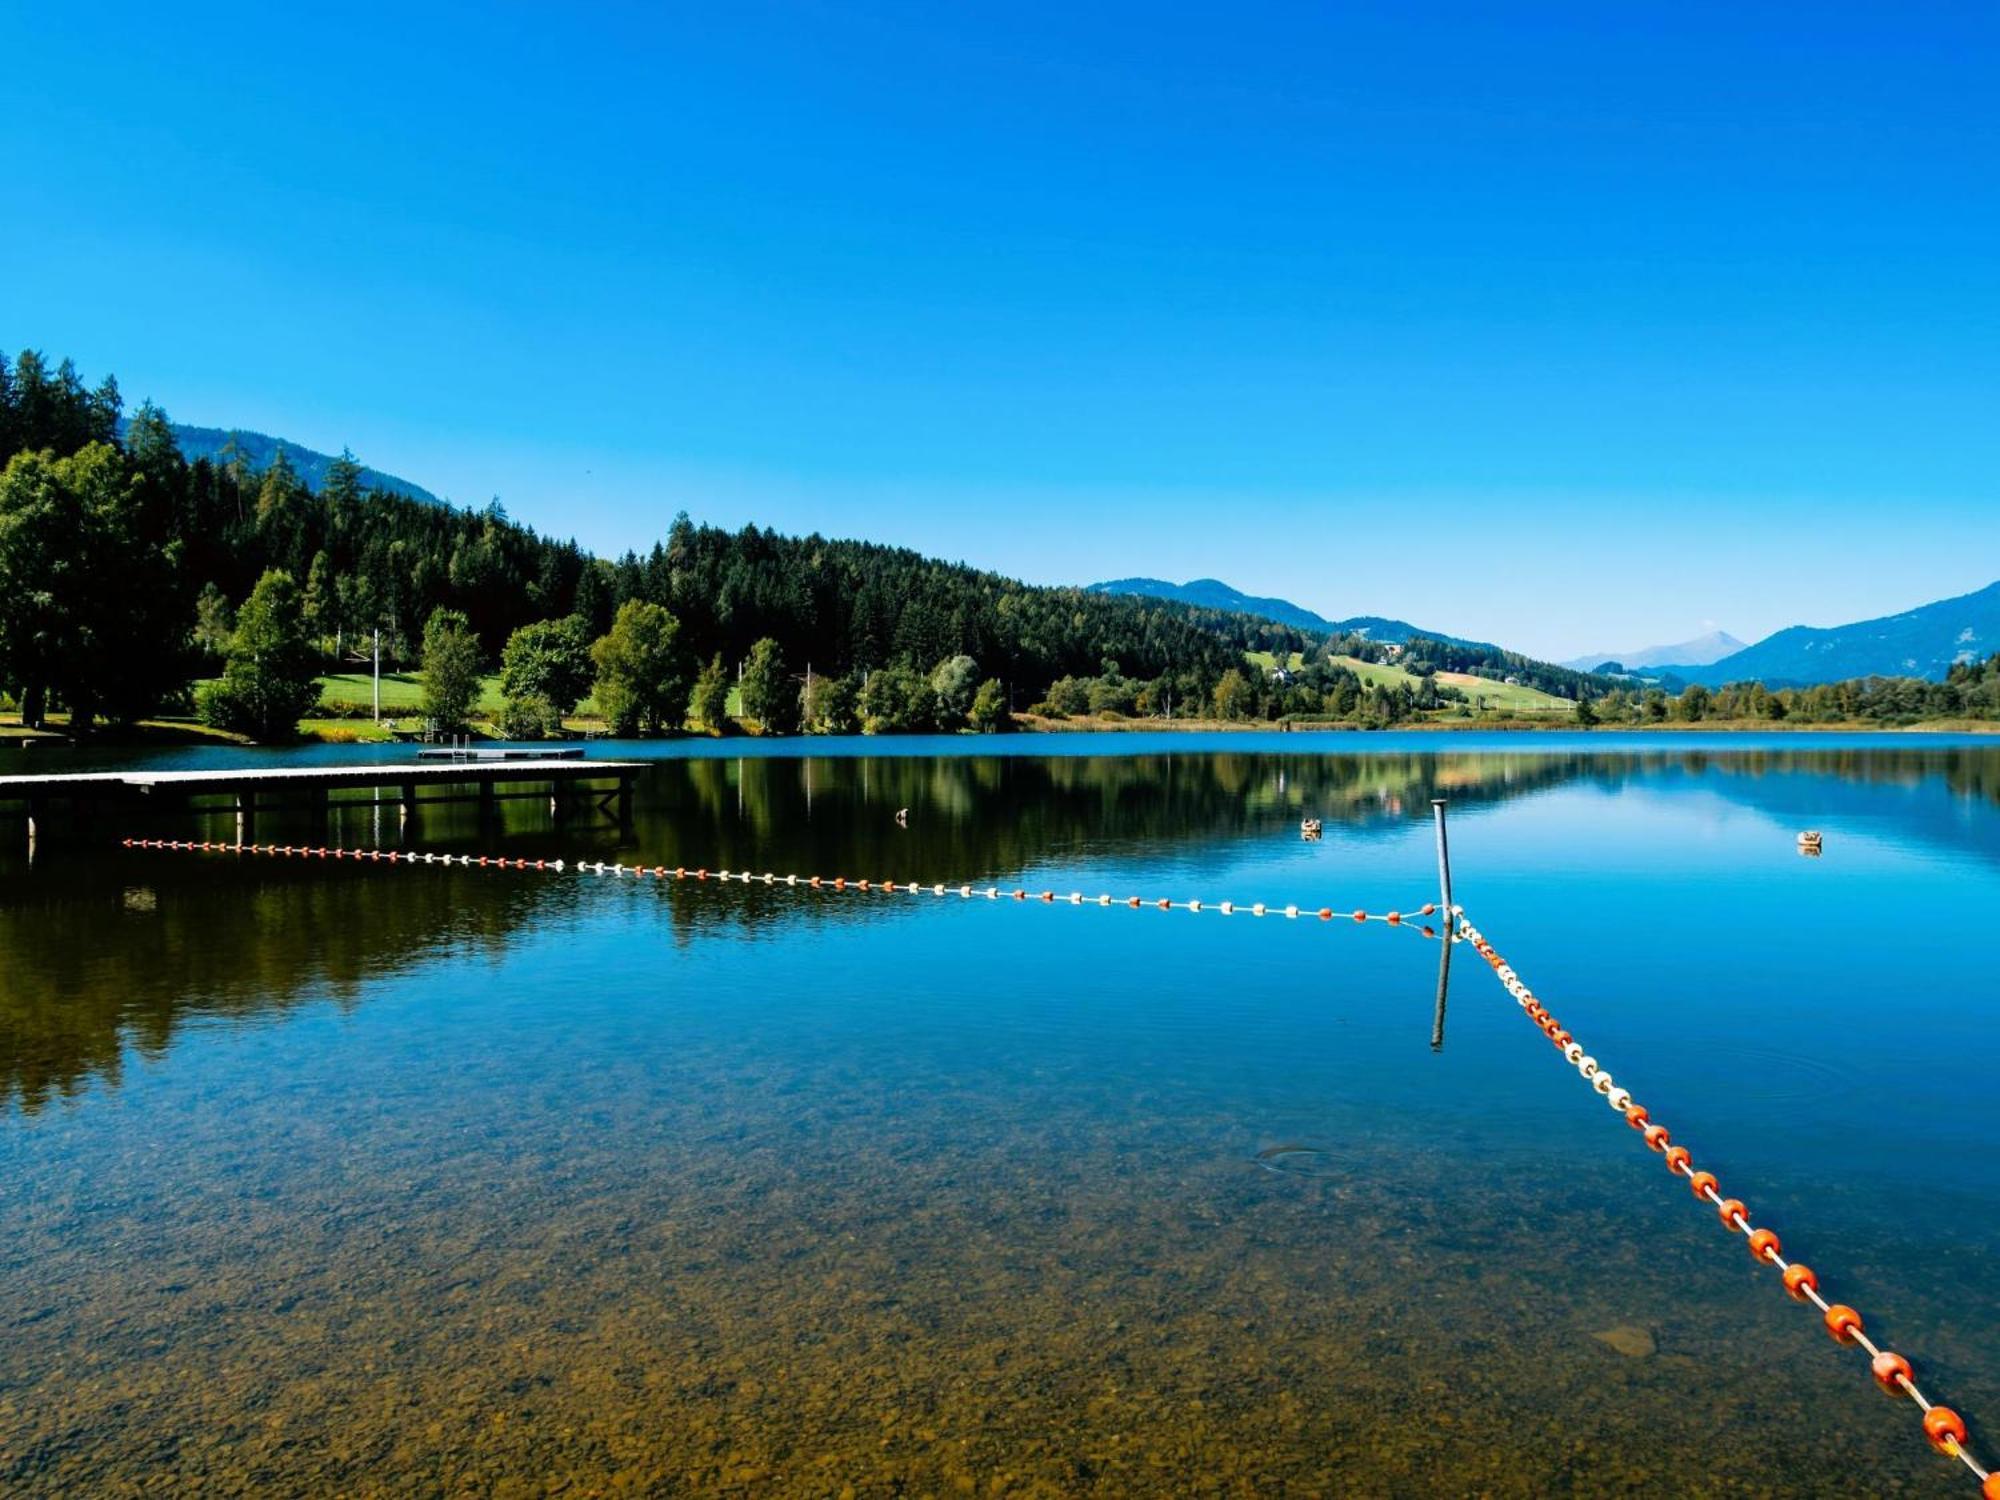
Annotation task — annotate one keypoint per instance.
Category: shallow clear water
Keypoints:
(325, 1180)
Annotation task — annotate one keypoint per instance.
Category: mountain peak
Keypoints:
(1698, 652)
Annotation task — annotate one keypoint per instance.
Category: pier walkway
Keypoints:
(88, 798)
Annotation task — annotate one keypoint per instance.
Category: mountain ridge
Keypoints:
(1699, 652)
(1921, 642)
(1213, 593)
(259, 448)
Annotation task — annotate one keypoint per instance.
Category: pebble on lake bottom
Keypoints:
(1629, 1339)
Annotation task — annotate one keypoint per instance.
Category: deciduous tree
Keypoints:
(451, 671)
(767, 692)
(708, 700)
(549, 659)
(641, 669)
(272, 677)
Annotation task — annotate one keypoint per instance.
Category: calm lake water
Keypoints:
(325, 1180)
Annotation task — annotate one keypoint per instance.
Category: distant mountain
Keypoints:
(1921, 642)
(1698, 652)
(258, 449)
(1213, 593)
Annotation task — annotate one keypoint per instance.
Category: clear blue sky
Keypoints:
(1574, 327)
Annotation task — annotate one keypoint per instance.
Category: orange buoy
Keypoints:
(1636, 1116)
(1799, 1279)
(1657, 1137)
(1991, 1489)
(1888, 1369)
(1729, 1210)
(1699, 1183)
(1843, 1322)
(1678, 1158)
(1361, 916)
(1945, 1428)
(1763, 1244)
(1326, 913)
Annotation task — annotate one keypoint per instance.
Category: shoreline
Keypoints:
(1027, 724)
(175, 734)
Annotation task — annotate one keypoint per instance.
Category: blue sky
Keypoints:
(1573, 327)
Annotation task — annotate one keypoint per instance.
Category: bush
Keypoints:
(895, 700)
(989, 707)
(216, 706)
(832, 706)
(343, 708)
(1068, 696)
(1112, 697)
(529, 716)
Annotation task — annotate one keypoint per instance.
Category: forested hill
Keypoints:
(257, 450)
(122, 562)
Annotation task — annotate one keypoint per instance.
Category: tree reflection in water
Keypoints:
(104, 951)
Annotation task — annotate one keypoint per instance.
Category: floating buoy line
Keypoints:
(1943, 1428)
(1409, 921)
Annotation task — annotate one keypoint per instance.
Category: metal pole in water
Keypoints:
(1445, 943)
(1444, 861)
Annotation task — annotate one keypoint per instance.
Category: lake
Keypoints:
(324, 1179)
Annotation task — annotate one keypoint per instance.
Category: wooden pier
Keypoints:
(86, 801)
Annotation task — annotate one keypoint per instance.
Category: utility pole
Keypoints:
(378, 674)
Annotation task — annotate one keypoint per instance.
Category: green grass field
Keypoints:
(1499, 696)
(402, 692)
(1268, 661)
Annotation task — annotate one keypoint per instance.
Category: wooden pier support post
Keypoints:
(625, 780)
(1446, 930)
(246, 815)
(406, 804)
